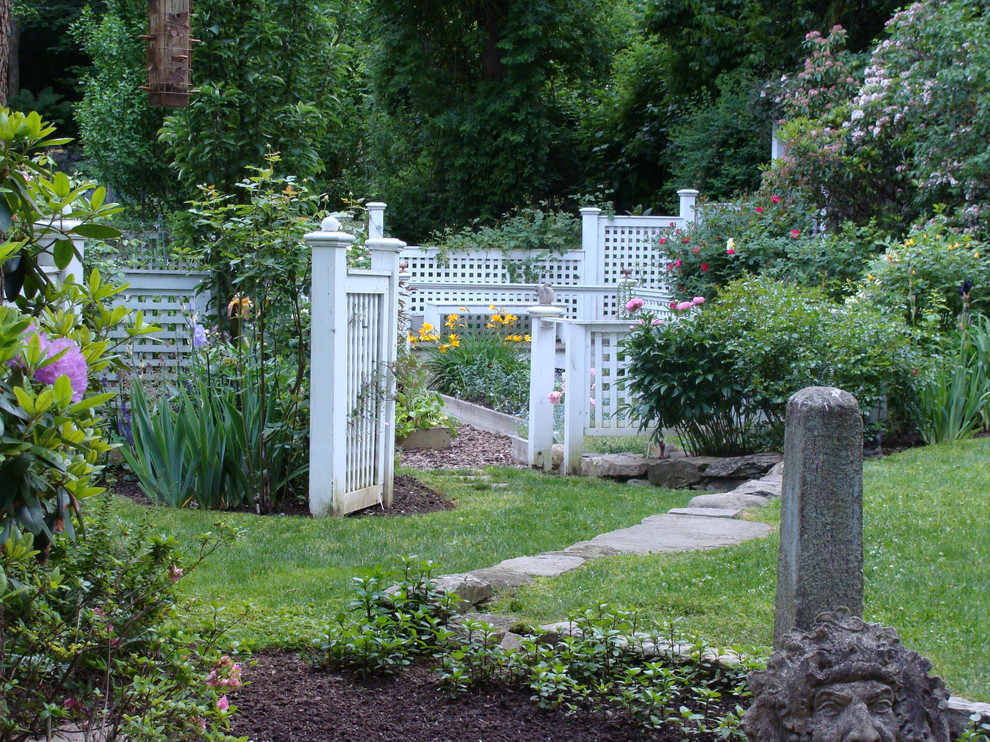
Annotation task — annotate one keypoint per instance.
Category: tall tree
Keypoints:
(477, 103)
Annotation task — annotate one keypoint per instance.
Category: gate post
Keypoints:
(541, 376)
(328, 362)
(385, 258)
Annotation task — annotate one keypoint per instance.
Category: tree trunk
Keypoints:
(4, 48)
(14, 59)
(490, 16)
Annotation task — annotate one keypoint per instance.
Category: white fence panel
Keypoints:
(352, 408)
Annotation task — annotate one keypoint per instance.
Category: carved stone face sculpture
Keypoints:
(857, 711)
(845, 680)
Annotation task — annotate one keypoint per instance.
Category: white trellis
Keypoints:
(354, 331)
(586, 278)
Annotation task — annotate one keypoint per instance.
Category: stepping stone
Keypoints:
(542, 565)
(728, 501)
(587, 550)
(668, 533)
(502, 579)
(708, 512)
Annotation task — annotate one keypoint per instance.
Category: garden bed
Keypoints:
(288, 701)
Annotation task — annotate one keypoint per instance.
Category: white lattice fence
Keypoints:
(169, 299)
(595, 399)
(352, 408)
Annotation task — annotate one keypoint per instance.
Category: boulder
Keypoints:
(744, 467)
(471, 590)
(615, 466)
(679, 473)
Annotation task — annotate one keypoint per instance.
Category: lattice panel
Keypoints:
(365, 388)
(607, 394)
(636, 247)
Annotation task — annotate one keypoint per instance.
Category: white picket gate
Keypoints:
(352, 406)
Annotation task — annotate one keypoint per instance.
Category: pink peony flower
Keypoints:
(658, 321)
(698, 300)
(634, 304)
(684, 305)
(555, 397)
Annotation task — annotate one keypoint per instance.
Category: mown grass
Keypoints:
(927, 558)
(927, 569)
(296, 571)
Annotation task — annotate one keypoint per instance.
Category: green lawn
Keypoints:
(927, 557)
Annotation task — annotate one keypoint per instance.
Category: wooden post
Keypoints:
(385, 257)
(541, 377)
(328, 351)
(689, 198)
(169, 52)
(578, 369)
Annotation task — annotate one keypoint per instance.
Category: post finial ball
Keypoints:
(330, 224)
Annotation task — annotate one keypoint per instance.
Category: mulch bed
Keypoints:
(288, 701)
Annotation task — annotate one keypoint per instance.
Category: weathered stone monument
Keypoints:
(833, 677)
(820, 562)
(845, 680)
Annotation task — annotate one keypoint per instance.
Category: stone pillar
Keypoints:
(820, 562)
(541, 376)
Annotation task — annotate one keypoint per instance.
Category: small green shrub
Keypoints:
(721, 377)
(933, 277)
(93, 637)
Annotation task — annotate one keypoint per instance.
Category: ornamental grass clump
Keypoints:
(721, 377)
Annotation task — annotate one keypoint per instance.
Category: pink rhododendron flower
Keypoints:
(71, 704)
(698, 300)
(673, 305)
(72, 363)
(555, 397)
(223, 704)
(175, 573)
(633, 304)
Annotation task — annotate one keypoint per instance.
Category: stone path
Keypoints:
(708, 522)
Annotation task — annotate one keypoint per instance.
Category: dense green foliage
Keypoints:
(721, 377)
(266, 74)
(118, 130)
(477, 104)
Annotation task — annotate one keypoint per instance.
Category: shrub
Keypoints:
(721, 377)
(954, 394)
(93, 637)
(932, 277)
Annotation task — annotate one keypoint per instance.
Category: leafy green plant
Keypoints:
(394, 624)
(721, 377)
(485, 369)
(934, 276)
(93, 637)
(954, 398)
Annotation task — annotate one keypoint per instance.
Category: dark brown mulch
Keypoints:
(409, 497)
(287, 701)
(470, 449)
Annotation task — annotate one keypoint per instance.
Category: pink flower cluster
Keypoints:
(70, 363)
(634, 304)
(683, 306)
(226, 674)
